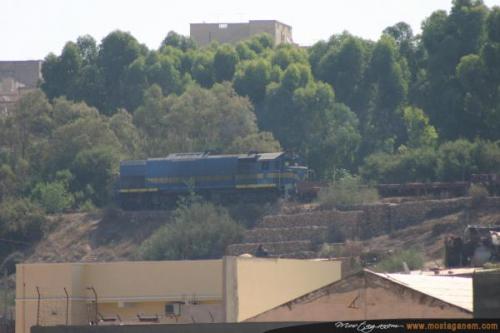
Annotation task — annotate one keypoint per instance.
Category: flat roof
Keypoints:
(249, 21)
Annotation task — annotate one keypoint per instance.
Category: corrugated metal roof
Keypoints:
(451, 289)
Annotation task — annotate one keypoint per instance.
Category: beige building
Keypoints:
(232, 289)
(205, 33)
(368, 296)
(16, 78)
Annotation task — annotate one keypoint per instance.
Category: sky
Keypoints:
(31, 29)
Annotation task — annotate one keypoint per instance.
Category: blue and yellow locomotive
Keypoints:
(156, 182)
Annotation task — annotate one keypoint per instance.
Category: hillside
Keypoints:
(103, 236)
(297, 231)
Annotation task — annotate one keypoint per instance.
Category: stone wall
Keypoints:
(380, 219)
(345, 222)
(315, 234)
(288, 234)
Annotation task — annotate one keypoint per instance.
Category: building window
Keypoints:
(173, 309)
(222, 25)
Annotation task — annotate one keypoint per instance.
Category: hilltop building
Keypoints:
(205, 33)
(16, 78)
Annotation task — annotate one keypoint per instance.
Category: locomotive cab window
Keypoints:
(265, 165)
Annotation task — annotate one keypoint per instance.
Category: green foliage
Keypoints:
(343, 67)
(285, 55)
(199, 230)
(304, 116)
(94, 168)
(8, 181)
(198, 120)
(374, 107)
(251, 79)
(202, 69)
(346, 191)
(20, 219)
(456, 160)
(53, 197)
(420, 132)
(451, 161)
(407, 165)
(225, 61)
(178, 41)
(412, 257)
(478, 194)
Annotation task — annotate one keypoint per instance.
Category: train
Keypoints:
(159, 182)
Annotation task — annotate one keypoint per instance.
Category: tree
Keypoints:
(200, 119)
(446, 39)
(305, 118)
(61, 73)
(95, 167)
(407, 44)
(343, 67)
(455, 160)
(178, 41)
(225, 61)
(389, 82)
(286, 55)
(20, 219)
(200, 230)
(262, 142)
(164, 73)
(420, 132)
(30, 122)
(54, 197)
(202, 69)
(8, 181)
(251, 79)
(116, 52)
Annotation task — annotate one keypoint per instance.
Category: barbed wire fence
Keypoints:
(52, 306)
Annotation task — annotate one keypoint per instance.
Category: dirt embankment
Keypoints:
(109, 235)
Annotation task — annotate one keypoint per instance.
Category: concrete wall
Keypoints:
(362, 297)
(205, 33)
(255, 285)
(26, 72)
(123, 288)
(486, 293)
(209, 290)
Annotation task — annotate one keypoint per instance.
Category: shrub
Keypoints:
(346, 191)
(478, 194)
(200, 230)
(412, 257)
(53, 197)
(20, 219)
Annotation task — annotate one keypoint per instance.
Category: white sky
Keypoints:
(30, 29)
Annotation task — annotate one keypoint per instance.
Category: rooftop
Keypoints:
(450, 289)
(249, 22)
